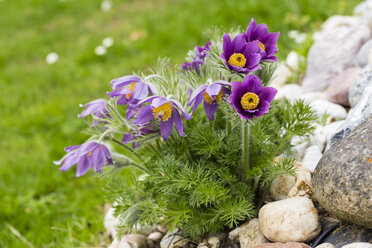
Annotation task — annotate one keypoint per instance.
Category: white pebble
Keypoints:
(106, 5)
(312, 157)
(51, 58)
(100, 50)
(107, 42)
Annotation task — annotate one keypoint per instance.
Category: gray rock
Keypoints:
(332, 53)
(343, 176)
(358, 245)
(363, 54)
(338, 90)
(364, 10)
(347, 234)
(363, 80)
(356, 116)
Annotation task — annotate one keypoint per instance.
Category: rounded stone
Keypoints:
(358, 245)
(325, 245)
(250, 235)
(343, 176)
(362, 55)
(294, 219)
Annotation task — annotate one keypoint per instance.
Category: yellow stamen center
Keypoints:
(131, 88)
(90, 153)
(216, 99)
(237, 59)
(262, 46)
(249, 101)
(163, 112)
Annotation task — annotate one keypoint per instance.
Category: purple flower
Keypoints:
(239, 55)
(211, 95)
(267, 41)
(166, 111)
(249, 98)
(198, 60)
(129, 90)
(87, 155)
(142, 131)
(96, 108)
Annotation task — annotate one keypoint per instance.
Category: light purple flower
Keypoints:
(267, 41)
(211, 95)
(198, 60)
(129, 90)
(96, 108)
(86, 156)
(249, 98)
(166, 111)
(131, 137)
(239, 55)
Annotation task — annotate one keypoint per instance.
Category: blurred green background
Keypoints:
(39, 205)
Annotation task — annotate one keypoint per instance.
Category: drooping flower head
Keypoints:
(166, 111)
(88, 155)
(129, 90)
(240, 55)
(249, 98)
(198, 60)
(96, 108)
(267, 41)
(211, 95)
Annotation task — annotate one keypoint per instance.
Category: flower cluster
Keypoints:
(244, 53)
(153, 108)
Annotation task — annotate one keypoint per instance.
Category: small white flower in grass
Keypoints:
(297, 36)
(100, 50)
(106, 5)
(51, 58)
(293, 61)
(108, 41)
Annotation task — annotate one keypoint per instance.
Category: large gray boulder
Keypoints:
(342, 180)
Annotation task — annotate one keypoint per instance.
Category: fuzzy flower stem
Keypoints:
(245, 149)
(126, 147)
(155, 151)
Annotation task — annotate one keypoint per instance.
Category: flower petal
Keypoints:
(264, 108)
(213, 90)
(123, 81)
(210, 110)
(140, 91)
(178, 122)
(166, 128)
(252, 84)
(144, 116)
(83, 166)
(98, 159)
(267, 94)
(157, 102)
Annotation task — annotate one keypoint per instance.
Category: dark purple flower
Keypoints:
(96, 108)
(198, 60)
(267, 41)
(87, 155)
(249, 98)
(239, 55)
(166, 111)
(211, 94)
(142, 131)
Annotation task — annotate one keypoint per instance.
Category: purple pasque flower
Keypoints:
(166, 111)
(87, 155)
(267, 41)
(142, 131)
(211, 95)
(96, 108)
(129, 90)
(249, 98)
(240, 55)
(198, 60)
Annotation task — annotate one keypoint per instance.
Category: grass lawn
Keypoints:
(39, 205)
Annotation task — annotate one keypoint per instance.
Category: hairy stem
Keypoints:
(245, 149)
(228, 128)
(282, 143)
